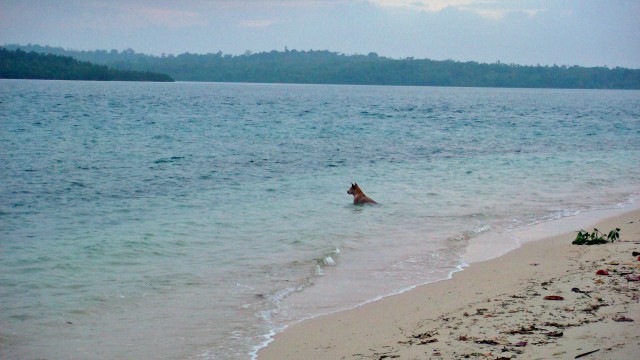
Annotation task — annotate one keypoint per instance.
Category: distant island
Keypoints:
(18, 64)
(325, 67)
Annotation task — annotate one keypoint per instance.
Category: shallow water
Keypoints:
(190, 220)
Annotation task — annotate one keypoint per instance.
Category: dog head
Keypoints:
(354, 189)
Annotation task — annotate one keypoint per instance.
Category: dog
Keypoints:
(359, 198)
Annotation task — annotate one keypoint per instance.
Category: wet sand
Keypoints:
(497, 309)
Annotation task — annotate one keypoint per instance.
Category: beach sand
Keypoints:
(496, 309)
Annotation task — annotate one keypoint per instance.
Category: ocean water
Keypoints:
(194, 220)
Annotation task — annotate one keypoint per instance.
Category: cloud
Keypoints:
(488, 9)
(141, 15)
(257, 23)
(425, 5)
(279, 3)
(497, 14)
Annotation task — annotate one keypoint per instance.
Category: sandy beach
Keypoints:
(543, 300)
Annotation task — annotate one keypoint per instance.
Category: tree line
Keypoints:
(325, 67)
(19, 64)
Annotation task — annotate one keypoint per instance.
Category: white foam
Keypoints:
(482, 229)
(328, 261)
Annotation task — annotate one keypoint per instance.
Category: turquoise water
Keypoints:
(191, 220)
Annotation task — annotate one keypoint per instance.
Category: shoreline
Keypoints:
(383, 328)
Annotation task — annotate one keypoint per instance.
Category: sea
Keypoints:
(196, 220)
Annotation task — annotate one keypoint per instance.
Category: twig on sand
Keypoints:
(585, 354)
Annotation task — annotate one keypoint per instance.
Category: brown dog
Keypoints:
(359, 198)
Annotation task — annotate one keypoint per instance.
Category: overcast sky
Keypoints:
(562, 32)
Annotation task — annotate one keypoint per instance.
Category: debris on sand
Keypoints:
(520, 322)
(585, 354)
(622, 318)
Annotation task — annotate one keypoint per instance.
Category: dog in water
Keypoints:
(359, 198)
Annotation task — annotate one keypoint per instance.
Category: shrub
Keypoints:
(596, 237)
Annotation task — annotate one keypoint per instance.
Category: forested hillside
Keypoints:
(324, 67)
(18, 64)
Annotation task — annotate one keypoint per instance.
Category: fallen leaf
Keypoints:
(553, 297)
(602, 272)
(481, 311)
(487, 342)
(523, 330)
(555, 334)
(427, 341)
(632, 277)
(425, 335)
(622, 319)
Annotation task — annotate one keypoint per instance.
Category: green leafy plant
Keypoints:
(596, 237)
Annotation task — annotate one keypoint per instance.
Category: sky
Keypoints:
(525, 32)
